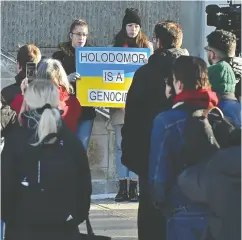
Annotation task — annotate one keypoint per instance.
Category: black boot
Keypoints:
(133, 192)
(122, 192)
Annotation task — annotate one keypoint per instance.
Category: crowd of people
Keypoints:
(181, 127)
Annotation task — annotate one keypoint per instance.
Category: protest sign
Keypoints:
(106, 74)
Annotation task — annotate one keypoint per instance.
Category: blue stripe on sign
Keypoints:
(95, 70)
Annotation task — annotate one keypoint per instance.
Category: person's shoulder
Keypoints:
(70, 137)
(58, 55)
(89, 45)
(170, 117)
(7, 88)
(143, 69)
(15, 136)
(8, 93)
(218, 66)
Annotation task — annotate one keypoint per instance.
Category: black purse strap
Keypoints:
(89, 227)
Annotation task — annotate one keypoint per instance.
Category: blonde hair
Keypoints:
(39, 93)
(52, 69)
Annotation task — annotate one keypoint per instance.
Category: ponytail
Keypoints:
(49, 123)
(41, 100)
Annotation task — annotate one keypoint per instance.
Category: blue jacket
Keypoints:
(232, 110)
(164, 159)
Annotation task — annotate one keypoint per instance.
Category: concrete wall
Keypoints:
(46, 23)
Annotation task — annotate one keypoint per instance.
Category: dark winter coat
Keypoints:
(9, 93)
(223, 190)
(12, 153)
(66, 56)
(145, 99)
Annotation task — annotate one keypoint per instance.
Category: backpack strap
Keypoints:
(206, 112)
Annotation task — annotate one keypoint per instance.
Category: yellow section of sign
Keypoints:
(93, 92)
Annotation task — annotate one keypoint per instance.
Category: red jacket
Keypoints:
(68, 104)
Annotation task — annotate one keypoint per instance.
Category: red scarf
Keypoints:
(204, 98)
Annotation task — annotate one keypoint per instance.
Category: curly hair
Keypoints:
(169, 33)
(223, 41)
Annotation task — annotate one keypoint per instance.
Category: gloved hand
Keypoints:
(73, 77)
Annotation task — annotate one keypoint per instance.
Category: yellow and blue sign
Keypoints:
(106, 74)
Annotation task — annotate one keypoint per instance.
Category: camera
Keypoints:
(227, 18)
(31, 71)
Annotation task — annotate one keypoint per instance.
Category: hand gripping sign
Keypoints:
(106, 74)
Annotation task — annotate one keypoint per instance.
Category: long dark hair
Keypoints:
(121, 39)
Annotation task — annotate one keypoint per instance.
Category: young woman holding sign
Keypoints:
(129, 36)
(78, 38)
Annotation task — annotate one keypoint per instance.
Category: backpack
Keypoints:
(205, 132)
(48, 184)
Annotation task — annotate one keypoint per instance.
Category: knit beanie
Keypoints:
(131, 16)
(222, 78)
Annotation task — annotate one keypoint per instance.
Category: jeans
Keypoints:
(189, 225)
(122, 171)
(84, 131)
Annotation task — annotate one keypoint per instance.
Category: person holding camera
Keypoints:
(52, 70)
(78, 36)
(26, 54)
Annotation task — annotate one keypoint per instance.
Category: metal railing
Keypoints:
(8, 56)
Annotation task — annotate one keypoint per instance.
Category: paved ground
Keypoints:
(115, 220)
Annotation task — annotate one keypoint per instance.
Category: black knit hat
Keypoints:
(131, 16)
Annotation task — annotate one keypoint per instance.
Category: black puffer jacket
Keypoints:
(66, 56)
(11, 158)
(146, 98)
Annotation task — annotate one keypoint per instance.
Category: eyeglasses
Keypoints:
(80, 34)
